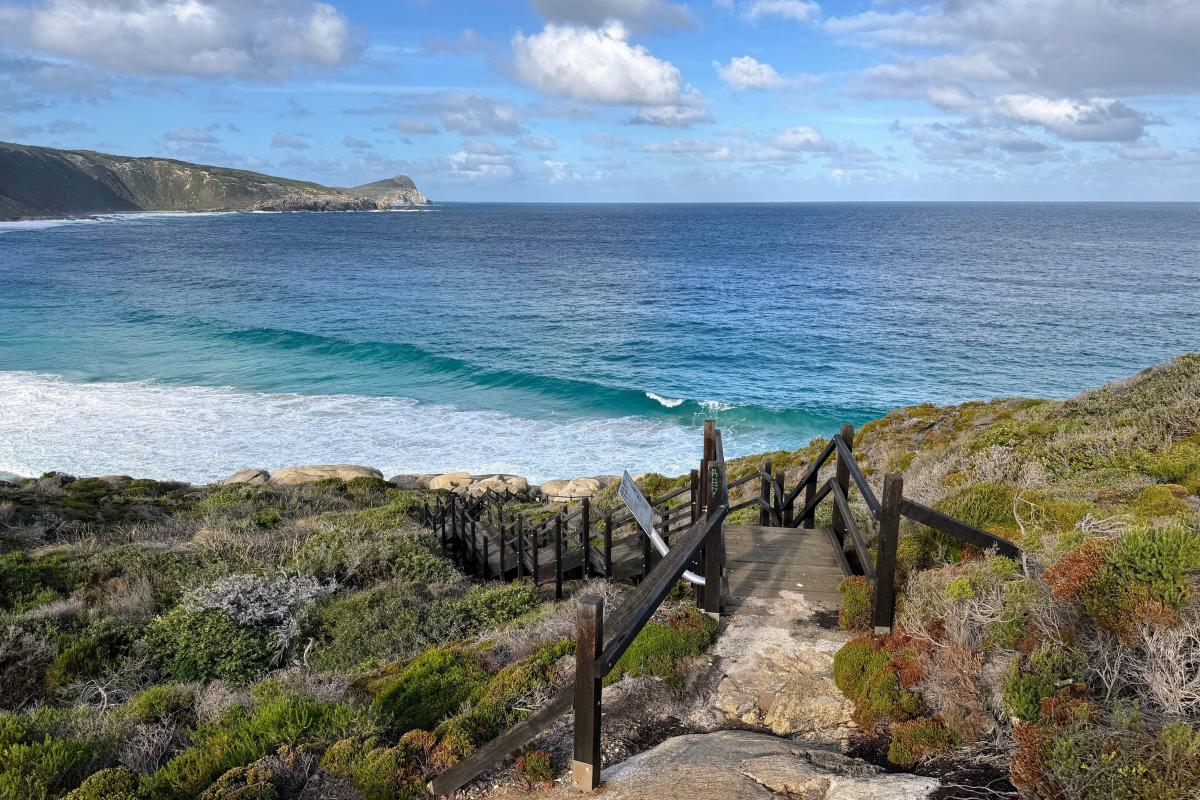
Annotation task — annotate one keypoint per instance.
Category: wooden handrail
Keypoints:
(860, 545)
(856, 473)
(809, 474)
(821, 494)
(960, 530)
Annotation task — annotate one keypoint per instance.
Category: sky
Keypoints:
(629, 100)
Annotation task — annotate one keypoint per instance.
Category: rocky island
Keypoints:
(41, 182)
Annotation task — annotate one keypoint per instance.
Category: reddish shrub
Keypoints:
(1071, 576)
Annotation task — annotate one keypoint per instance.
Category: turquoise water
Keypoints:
(551, 340)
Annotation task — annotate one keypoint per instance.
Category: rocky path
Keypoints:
(763, 719)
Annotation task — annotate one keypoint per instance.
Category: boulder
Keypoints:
(498, 483)
(319, 472)
(450, 480)
(411, 483)
(733, 765)
(572, 489)
(254, 477)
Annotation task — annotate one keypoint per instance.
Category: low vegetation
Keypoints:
(160, 641)
(1079, 663)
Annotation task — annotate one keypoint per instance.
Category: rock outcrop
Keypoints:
(292, 475)
(390, 192)
(46, 182)
(743, 765)
(254, 477)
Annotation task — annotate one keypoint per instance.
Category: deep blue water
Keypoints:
(557, 339)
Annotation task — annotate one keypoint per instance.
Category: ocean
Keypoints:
(558, 340)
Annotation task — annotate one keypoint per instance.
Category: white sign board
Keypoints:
(637, 503)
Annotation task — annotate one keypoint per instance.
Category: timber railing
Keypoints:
(597, 651)
(786, 509)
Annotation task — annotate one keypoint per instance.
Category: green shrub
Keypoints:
(366, 629)
(205, 646)
(1157, 501)
(960, 588)
(916, 739)
(858, 603)
(1048, 666)
(160, 704)
(266, 518)
(115, 783)
(379, 773)
(987, 505)
(27, 582)
(1175, 464)
(658, 648)
(238, 499)
(482, 607)
(865, 673)
(535, 767)
(366, 490)
(428, 689)
(42, 769)
(1153, 563)
(84, 656)
(364, 559)
(244, 736)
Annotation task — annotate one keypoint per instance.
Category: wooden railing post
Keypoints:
(764, 495)
(585, 537)
(503, 549)
(589, 641)
(694, 495)
(474, 550)
(885, 560)
(520, 547)
(558, 570)
(842, 476)
(608, 533)
(784, 515)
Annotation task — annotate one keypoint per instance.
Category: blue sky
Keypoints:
(653, 100)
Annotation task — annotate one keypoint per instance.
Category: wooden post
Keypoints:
(520, 547)
(842, 476)
(784, 514)
(764, 495)
(647, 550)
(589, 641)
(585, 537)
(885, 561)
(558, 570)
(810, 491)
(702, 512)
(608, 532)
(503, 547)
(474, 549)
(536, 556)
(694, 495)
(487, 563)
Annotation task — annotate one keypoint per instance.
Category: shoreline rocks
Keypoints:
(289, 476)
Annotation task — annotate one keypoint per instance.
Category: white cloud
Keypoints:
(541, 143)
(802, 139)
(474, 115)
(641, 15)
(1150, 152)
(1074, 48)
(480, 160)
(1099, 120)
(797, 10)
(747, 72)
(265, 39)
(679, 115)
(413, 125)
(192, 135)
(595, 65)
(286, 141)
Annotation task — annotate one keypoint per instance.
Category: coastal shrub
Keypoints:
(865, 672)
(244, 736)
(913, 740)
(24, 657)
(368, 628)
(114, 783)
(535, 767)
(42, 768)
(858, 602)
(428, 689)
(480, 608)
(378, 772)
(1177, 463)
(202, 646)
(1159, 501)
(85, 656)
(251, 600)
(659, 648)
(27, 581)
(370, 491)
(1049, 670)
(365, 559)
(987, 505)
(401, 510)
(167, 702)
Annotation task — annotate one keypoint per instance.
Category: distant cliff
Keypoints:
(44, 182)
(397, 191)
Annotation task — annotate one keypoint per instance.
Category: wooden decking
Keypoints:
(761, 562)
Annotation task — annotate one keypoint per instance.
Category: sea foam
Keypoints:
(197, 433)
